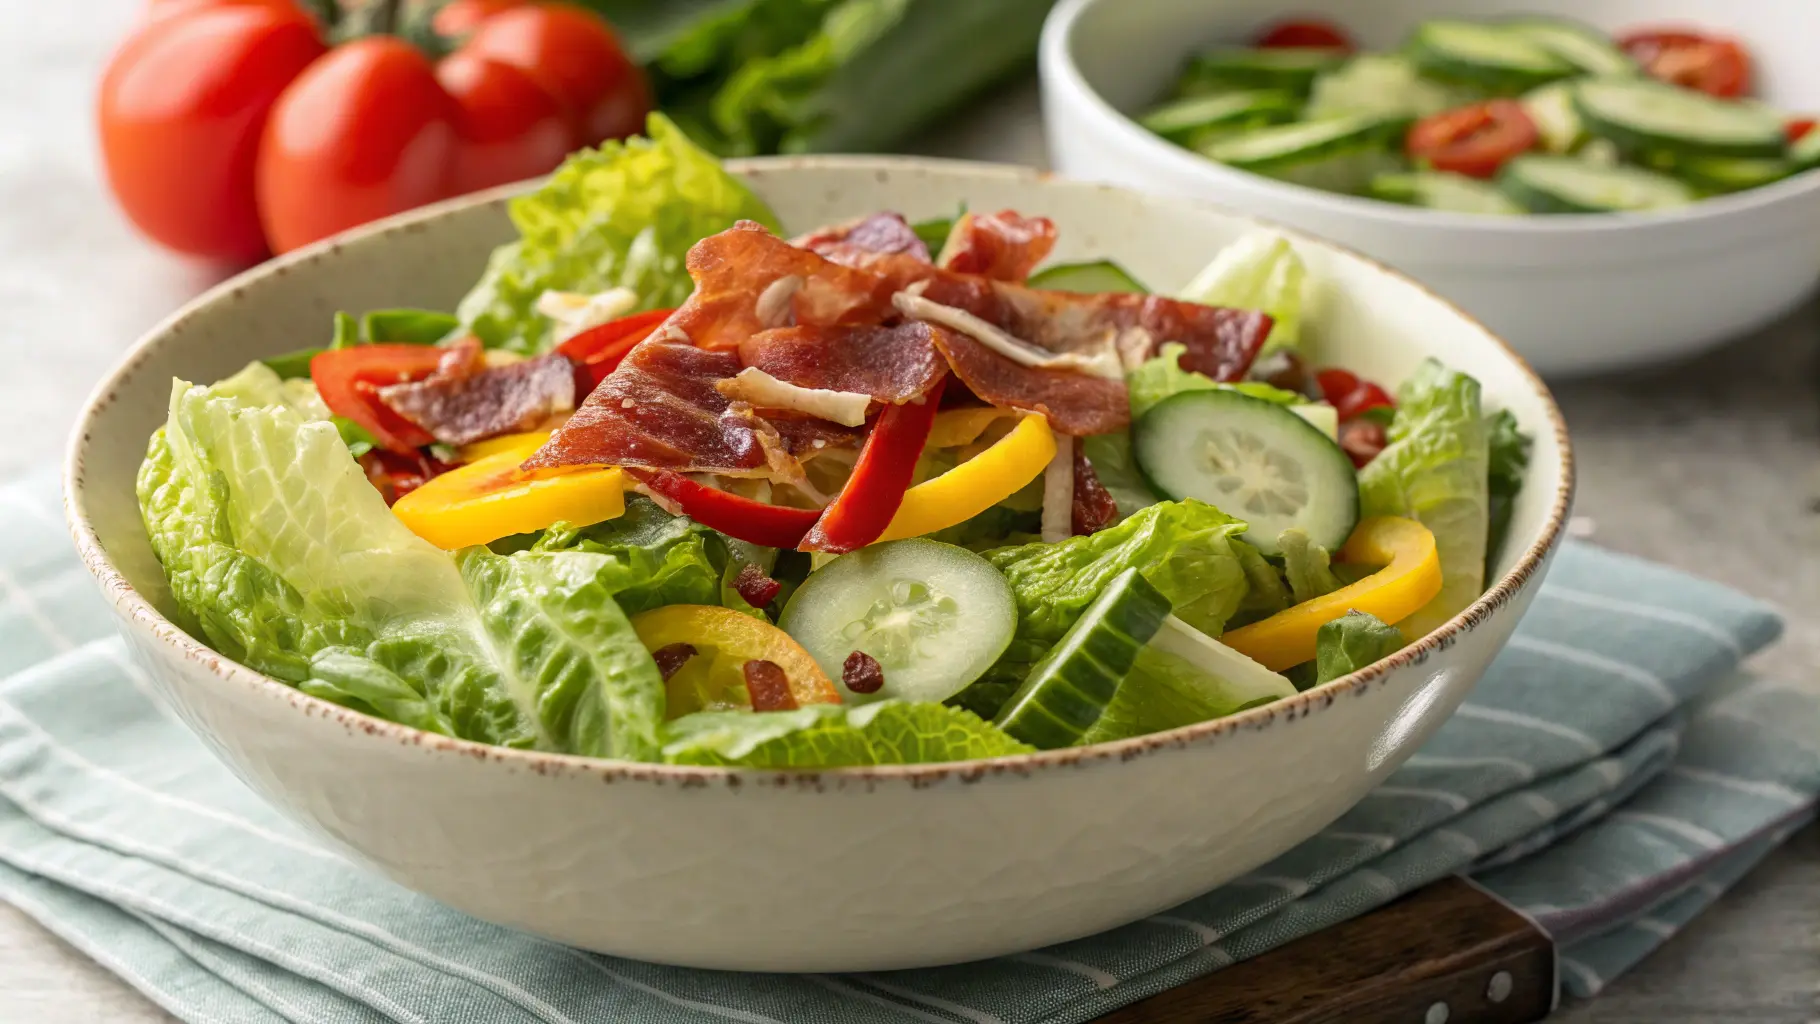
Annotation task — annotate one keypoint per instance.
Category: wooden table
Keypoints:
(1712, 465)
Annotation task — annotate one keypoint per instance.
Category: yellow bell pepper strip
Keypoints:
(492, 498)
(977, 484)
(734, 639)
(1411, 577)
(503, 443)
(956, 427)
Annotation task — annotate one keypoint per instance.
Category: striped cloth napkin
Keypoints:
(1611, 776)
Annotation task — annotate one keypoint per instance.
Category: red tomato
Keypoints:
(1365, 397)
(1336, 383)
(577, 58)
(1474, 140)
(1799, 127)
(363, 133)
(349, 380)
(1362, 440)
(394, 475)
(596, 351)
(182, 106)
(510, 128)
(460, 17)
(1711, 64)
(1309, 32)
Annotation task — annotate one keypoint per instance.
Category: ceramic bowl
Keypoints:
(1573, 294)
(845, 869)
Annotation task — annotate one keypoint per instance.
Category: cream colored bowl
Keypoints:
(846, 869)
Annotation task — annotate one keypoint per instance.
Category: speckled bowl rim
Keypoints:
(139, 611)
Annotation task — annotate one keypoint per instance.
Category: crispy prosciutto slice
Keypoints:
(1094, 508)
(855, 242)
(1004, 246)
(1074, 402)
(891, 364)
(465, 401)
(748, 280)
(659, 409)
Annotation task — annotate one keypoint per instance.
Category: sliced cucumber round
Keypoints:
(1644, 114)
(1289, 68)
(1339, 154)
(1583, 46)
(935, 616)
(1487, 56)
(1732, 174)
(1254, 460)
(1385, 84)
(1560, 184)
(1092, 278)
(1805, 154)
(1439, 190)
(1552, 109)
(1067, 691)
(1187, 118)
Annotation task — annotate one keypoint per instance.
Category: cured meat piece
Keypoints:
(1004, 246)
(1075, 403)
(806, 436)
(854, 242)
(659, 409)
(748, 280)
(464, 401)
(1094, 507)
(891, 364)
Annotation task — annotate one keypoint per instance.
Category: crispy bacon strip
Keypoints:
(805, 436)
(464, 401)
(1075, 403)
(748, 280)
(855, 242)
(1004, 246)
(891, 364)
(1094, 508)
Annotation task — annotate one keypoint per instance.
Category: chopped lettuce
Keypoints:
(1307, 566)
(655, 558)
(1509, 448)
(835, 735)
(1117, 470)
(407, 326)
(1435, 471)
(1351, 642)
(624, 215)
(1265, 593)
(283, 557)
(1162, 376)
(1259, 271)
(1183, 548)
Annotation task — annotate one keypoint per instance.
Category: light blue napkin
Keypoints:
(1610, 776)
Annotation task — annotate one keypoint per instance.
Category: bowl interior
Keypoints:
(1779, 35)
(1367, 317)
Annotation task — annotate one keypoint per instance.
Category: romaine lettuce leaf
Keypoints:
(1162, 376)
(1509, 459)
(1351, 642)
(1260, 271)
(660, 559)
(282, 556)
(1265, 594)
(1434, 471)
(1307, 566)
(624, 215)
(835, 735)
(1113, 463)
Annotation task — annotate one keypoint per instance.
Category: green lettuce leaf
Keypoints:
(1434, 470)
(624, 215)
(1259, 271)
(1509, 460)
(655, 558)
(1351, 642)
(1265, 594)
(1117, 469)
(1307, 566)
(835, 735)
(280, 555)
(1162, 376)
(1183, 548)
(407, 326)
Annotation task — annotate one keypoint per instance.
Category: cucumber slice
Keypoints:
(1384, 84)
(1339, 154)
(1644, 114)
(1805, 154)
(1324, 418)
(1067, 691)
(935, 616)
(1289, 68)
(1583, 46)
(1255, 460)
(1092, 278)
(1185, 119)
(1438, 190)
(1558, 184)
(1718, 174)
(1487, 56)
(1600, 153)
(1552, 109)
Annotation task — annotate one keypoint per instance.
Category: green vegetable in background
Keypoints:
(1351, 642)
(1509, 448)
(1307, 566)
(1259, 271)
(1162, 376)
(624, 215)
(281, 556)
(835, 735)
(389, 326)
(1435, 471)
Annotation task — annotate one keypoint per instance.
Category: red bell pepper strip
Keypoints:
(349, 380)
(773, 526)
(887, 464)
(597, 350)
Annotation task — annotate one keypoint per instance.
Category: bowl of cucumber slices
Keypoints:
(1607, 184)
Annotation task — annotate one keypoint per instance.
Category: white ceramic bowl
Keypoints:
(815, 870)
(1573, 294)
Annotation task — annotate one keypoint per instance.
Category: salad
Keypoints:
(668, 486)
(1525, 115)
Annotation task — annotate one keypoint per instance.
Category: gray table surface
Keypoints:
(1710, 464)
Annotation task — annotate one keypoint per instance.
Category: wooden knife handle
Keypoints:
(1446, 954)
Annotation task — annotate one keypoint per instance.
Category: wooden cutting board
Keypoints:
(1447, 954)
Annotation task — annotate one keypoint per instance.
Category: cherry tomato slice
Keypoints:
(1307, 32)
(1474, 140)
(597, 350)
(1799, 127)
(349, 380)
(1365, 397)
(1336, 383)
(510, 127)
(1362, 440)
(576, 57)
(1710, 64)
